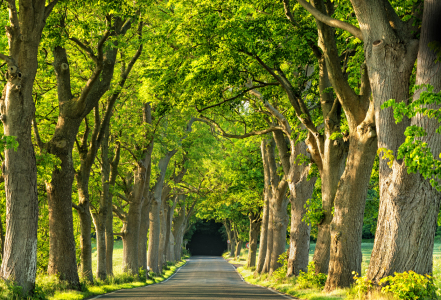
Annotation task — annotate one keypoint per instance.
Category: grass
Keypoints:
(292, 286)
(51, 288)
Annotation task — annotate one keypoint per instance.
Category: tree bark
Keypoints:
(279, 218)
(267, 195)
(108, 202)
(178, 231)
(409, 205)
(153, 260)
(144, 228)
(17, 108)
(238, 247)
(300, 191)
(254, 234)
(233, 241)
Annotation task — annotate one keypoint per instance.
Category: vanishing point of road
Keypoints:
(202, 278)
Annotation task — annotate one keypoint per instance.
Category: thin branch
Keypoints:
(237, 96)
(40, 143)
(212, 123)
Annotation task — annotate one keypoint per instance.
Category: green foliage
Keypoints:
(280, 273)
(8, 142)
(308, 280)
(410, 286)
(415, 151)
(360, 287)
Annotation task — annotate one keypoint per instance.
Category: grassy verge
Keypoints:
(50, 287)
(308, 286)
(118, 282)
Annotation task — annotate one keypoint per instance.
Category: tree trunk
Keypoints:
(233, 242)
(409, 205)
(154, 215)
(269, 241)
(228, 231)
(254, 234)
(62, 255)
(143, 229)
(162, 233)
(169, 221)
(238, 248)
(267, 195)
(86, 225)
(300, 191)
(131, 233)
(108, 203)
(170, 249)
(279, 218)
(178, 229)
(17, 108)
(349, 204)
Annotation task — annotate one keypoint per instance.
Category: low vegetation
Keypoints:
(52, 288)
(308, 285)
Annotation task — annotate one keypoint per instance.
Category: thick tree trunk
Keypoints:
(347, 224)
(62, 255)
(154, 215)
(254, 234)
(17, 109)
(300, 191)
(238, 248)
(409, 205)
(229, 236)
(170, 249)
(279, 226)
(279, 218)
(131, 233)
(178, 230)
(86, 226)
(168, 233)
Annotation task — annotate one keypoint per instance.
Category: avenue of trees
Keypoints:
(287, 121)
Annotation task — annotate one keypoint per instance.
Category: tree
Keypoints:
(17, 108)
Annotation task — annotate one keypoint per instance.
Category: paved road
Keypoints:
(203, 277)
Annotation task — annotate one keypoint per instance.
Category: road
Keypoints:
(203, 277)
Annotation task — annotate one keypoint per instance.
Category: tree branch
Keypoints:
(213, 124)
(237, 96)
(49, 8)
(40, 143)
(330, 21)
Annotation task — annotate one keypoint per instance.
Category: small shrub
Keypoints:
(310, 280)
(280, 273)
(361, 287)
(410, 286)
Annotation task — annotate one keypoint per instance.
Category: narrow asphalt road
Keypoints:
(203, 277)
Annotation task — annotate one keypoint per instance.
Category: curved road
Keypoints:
(203, 277)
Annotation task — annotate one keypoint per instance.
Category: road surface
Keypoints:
(202, 278)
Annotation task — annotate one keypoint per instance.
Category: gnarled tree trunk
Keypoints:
(17, 108)
(408, 204)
